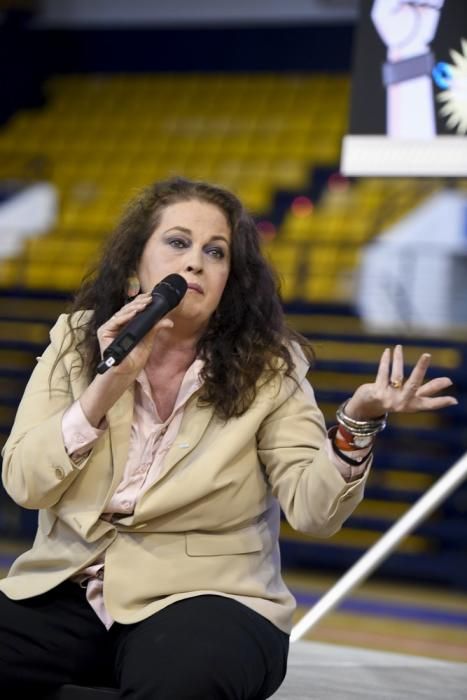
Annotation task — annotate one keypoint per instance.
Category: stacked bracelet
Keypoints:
(360, 428)
(343, 448)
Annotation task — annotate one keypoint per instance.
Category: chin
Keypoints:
(190, 315)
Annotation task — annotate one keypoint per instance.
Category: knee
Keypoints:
(190, 677)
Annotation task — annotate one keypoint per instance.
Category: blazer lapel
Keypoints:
(194, 423)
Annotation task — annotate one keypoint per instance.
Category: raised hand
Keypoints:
(390, 393)
(406, 26)
(109, 330)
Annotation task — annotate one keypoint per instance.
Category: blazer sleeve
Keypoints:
(313, 495)
(36, 467)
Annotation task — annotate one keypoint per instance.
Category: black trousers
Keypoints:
(205, 647)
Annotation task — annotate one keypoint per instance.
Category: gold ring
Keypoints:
(396, 383)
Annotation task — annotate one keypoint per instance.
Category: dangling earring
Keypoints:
(133, 286)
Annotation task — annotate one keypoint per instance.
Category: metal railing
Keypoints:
(383, 547)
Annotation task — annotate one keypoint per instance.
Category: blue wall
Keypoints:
(28, 56)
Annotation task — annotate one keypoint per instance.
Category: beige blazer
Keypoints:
(210, 524)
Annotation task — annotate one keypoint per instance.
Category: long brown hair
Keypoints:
(247, 334)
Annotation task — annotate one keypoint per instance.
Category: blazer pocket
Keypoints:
(201, 544)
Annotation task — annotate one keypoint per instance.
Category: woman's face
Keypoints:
(192, 239)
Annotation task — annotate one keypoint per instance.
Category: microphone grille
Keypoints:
(173, 288)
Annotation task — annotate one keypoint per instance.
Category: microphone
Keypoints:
(165, 297)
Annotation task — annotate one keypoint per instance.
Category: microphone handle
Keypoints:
(136, 329)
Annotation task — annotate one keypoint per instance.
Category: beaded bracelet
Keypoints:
(342, 450)
(346, 441)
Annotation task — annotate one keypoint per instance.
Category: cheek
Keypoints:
(155, 266)
(222, 280)
(221, 289)
(217, 286)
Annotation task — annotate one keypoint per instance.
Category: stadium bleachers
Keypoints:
(99, 139)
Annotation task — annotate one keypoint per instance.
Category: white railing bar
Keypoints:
(384, 546)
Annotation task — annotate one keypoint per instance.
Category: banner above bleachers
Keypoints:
(69, 13)
(409, 90)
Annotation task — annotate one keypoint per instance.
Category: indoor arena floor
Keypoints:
(386, 641)
(333, 672)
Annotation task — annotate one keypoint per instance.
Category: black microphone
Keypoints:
(165, 297)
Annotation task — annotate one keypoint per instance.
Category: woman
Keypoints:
(159, 483)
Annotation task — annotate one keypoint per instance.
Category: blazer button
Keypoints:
(59, 473)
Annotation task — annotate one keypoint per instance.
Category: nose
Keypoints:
(194, 261)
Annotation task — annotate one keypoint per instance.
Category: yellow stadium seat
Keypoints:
(101, 139)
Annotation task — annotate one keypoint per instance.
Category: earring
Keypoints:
(133, 286)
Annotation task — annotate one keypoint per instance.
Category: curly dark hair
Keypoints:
(246, 338)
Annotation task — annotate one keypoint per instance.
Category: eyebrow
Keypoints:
(190, 233)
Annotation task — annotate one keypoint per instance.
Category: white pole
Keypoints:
(383, 547)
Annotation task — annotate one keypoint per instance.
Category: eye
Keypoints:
(177, 242)
(216, 252)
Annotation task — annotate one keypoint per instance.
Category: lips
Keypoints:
(195, 287)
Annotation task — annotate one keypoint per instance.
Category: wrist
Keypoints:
(101, 394)
(356, 411)
(359, 427)
(402, 53)
(400, 68)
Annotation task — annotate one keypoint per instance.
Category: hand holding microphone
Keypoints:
(149, 310)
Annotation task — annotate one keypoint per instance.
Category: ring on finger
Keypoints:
(396, 383)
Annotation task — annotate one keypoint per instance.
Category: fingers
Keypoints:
(123, 315)
(417, 375)
(129, 311)
(110, 329)
(437, 402)
(382, 375)
(391, 370)
(414, 394)
(391, 394)
(397, 370)
(429, 401)
(434, 386)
